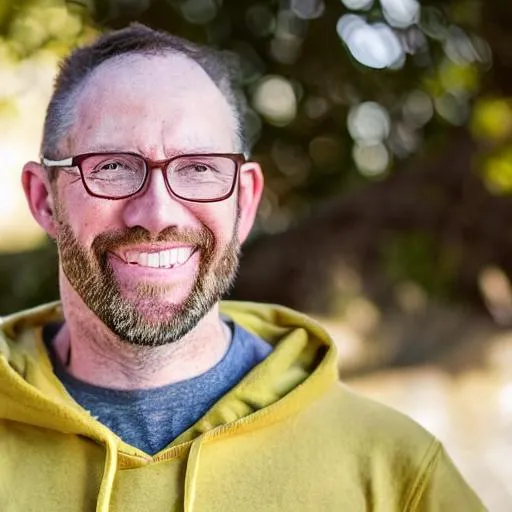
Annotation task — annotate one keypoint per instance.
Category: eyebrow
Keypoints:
(109, 149)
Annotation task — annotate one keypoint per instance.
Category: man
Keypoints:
(139, 391)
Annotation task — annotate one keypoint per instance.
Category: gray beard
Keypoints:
(92, 277)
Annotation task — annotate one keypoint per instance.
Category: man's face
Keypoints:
(158, 107)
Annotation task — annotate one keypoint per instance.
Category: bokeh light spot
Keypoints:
(434, 23)
(417, 109)
(403, 140)
(458, 78)
(401, 13)
(497, 293)
(274, 98)
(464, 49)
(372, 161)
(307, 9)
(368, 123)
(492, 119)
(498, 172)
(358, 5)
(375, 46)
(452, 108)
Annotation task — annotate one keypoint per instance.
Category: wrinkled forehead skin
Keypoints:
(155, 105)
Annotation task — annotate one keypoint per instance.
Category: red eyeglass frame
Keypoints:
(76, 161)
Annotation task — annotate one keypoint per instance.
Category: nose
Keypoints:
(154, 208)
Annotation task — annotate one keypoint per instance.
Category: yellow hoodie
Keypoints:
(288, 437)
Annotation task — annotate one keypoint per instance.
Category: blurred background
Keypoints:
(384, 128)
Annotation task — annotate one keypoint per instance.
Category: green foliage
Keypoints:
(30, 25)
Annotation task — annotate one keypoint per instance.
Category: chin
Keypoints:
(149, 295)
(156, 311)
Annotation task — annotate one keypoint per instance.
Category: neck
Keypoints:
(92, 353)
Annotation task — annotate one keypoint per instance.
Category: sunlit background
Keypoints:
(385, 131)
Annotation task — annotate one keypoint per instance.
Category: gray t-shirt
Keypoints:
(151, 418)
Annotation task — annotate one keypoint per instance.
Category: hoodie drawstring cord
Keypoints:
(109, 473)
(191, 474)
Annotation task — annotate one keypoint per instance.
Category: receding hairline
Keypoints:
(221, 66)
(120, 61)
(83, 88)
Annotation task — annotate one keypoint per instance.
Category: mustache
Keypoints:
(112, 240)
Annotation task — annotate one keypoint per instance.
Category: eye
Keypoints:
(111, 166)
(114, 168)
(202, 168)
(196, 168)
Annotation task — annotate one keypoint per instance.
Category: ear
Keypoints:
(250, 190)
(36, 186)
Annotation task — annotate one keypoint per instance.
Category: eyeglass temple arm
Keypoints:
(67, 162)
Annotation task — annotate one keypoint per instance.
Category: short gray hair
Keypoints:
(221, 67)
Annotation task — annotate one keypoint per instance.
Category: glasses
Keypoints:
(198, 177)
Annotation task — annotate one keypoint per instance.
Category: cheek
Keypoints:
(219, 218)
(87, 216)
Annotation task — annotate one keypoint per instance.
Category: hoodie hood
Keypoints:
(300, 368)
(302, 351)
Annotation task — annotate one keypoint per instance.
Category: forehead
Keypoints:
(153, 104)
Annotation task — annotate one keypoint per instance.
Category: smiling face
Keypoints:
(149, 266)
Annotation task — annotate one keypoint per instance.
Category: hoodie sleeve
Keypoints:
(440, 487)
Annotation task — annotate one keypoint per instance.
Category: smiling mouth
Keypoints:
(168, 258)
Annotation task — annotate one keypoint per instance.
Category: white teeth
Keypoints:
(153, 260)
(160, 259)
(165, 258)
(183, 255)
